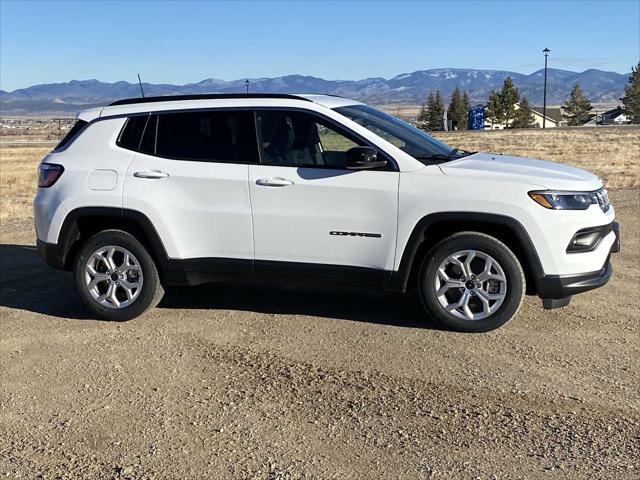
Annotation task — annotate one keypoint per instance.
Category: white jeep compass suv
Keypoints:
(186, 190)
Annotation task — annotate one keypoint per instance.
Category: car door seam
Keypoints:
(253, 231)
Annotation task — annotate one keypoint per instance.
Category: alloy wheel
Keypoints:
(113, 276)
(470, 285)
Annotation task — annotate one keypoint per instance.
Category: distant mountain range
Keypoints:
(407, 88)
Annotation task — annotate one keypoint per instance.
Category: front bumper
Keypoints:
(556, 290)
(562, 286)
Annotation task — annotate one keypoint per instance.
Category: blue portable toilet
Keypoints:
(475, 120)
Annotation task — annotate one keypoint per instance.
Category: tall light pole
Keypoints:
(544, 98)
(246, 84)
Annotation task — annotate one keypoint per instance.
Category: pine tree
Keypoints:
(631, 99)
(423, 116)
(438, 112)
(509, 96)
(577, 108)
(457, 112)
(524, 115)
(501, 106)
(435, 111)
(466, 103)
(494, 108)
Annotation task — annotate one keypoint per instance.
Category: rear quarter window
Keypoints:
(148, 143)
(131, 133)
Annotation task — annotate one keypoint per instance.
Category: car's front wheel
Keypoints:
(471, 282)
(116, 277)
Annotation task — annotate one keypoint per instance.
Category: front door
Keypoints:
(311, 212)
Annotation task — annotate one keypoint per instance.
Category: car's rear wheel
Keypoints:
(471, 282)
(116, 277)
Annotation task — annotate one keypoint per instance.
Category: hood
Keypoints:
(541, 173)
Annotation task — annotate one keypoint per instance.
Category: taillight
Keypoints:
(48, 174)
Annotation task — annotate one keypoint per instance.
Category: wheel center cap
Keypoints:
(114, 276)
(469, 284)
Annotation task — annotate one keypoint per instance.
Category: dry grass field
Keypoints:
(18, 179)
(613, 153)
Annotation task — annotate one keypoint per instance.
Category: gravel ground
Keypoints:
(237, 382)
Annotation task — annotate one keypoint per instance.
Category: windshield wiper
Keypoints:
(434, 156)
(460, 153)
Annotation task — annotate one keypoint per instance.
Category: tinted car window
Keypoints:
(207, 136)
(148, 143)
(406, 137)
(131, 133)
(79, 125)
(299, 139)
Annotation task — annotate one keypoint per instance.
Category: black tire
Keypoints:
(151, 291)
(515, 281)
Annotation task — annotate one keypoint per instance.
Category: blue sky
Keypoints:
(182, 42)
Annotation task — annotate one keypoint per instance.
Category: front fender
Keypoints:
(423, 228)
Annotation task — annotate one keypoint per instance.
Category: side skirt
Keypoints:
(221, 270)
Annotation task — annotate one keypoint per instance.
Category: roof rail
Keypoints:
(205, 96)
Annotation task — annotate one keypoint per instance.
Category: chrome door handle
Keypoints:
(274, 182)
(151, 174)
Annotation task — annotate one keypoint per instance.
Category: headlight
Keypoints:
(560, 200)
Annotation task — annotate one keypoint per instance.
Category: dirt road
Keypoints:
(231, 382)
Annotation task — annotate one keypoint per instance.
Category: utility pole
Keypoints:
(544, 99)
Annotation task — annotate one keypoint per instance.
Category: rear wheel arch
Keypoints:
(82, 223)
(433, 228)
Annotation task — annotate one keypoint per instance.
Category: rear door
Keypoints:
(308, 209)
(190, 179)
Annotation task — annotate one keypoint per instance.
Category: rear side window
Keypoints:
(206, 136)
(79, 125)
(148, 143)
(131, 133)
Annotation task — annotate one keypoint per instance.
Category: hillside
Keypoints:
(407, 88)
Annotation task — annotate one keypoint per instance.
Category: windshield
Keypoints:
(403, 135)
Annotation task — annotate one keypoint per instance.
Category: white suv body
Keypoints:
(273, 197)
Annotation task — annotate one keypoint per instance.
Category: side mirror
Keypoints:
(362, 158)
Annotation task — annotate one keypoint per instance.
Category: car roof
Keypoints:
(329, 101)
(186, 102)
(203, 96)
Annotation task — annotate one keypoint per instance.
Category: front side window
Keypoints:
(202, 136)
(406, 137)
(298, 139)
